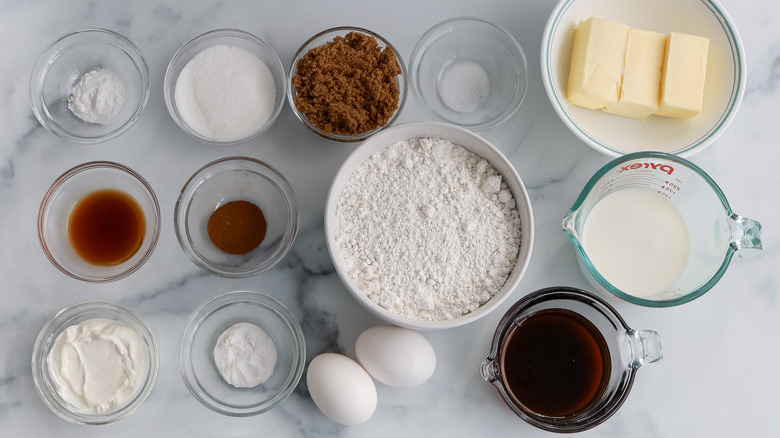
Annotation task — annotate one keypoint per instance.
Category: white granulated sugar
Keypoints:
(225, 93)
(427, 229)
(97, 97)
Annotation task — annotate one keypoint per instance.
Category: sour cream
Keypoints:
(98, 364)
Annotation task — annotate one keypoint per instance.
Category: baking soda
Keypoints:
(427, 229)
(225, 93)
(97, 97)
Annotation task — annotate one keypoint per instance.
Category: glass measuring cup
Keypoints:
(621, 351)
(716, 233)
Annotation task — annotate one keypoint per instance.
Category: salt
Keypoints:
(97, 97)
(225, 93)
(464, 86)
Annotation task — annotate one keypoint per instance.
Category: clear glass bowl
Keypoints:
(227, 37)
(75, 314)
(323, 38)
(204, 328)
(73, 186)
(469, 40)
(233, 179)
(65, 61)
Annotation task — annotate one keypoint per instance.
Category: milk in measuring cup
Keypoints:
(638, 241)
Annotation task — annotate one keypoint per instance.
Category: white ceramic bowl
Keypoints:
(614, 135)
(469, 141)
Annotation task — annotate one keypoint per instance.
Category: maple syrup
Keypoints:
(555, 363)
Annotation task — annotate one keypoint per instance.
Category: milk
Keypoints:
(637, 240)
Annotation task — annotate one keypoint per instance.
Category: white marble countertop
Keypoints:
(718, 377)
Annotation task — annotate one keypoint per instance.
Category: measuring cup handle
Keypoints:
(645, 347)
(746, 236)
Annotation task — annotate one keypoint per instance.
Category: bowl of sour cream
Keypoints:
(95, 362)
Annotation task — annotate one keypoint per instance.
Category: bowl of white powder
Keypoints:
(242, 353)
(429, 226)
(469, 72)
(89, 85)
(225, 86)
(95, 362)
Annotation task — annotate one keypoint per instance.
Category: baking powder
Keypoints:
(427, 229)
(97, 97)
(245, 355)
(225, 93)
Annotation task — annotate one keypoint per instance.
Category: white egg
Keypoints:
(396, 356)
(341, 389)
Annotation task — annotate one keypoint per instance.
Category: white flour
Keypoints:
(245, 355)
(428, 229)
(225, 93)
(97, 97)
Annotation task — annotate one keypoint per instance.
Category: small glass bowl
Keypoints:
(67, 191)
(227, 37)
(233, 179)
(75, 314)
(203, 330)
(323, 38)
(469, 40)
(65, 61)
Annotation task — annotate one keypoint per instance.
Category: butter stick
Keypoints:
(598, 57)
(683, 76)
(640, 89)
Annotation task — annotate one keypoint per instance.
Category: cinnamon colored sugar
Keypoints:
(347, 86)
(237, 227)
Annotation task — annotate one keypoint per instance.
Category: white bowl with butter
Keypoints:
(614, 135)
(95, 362)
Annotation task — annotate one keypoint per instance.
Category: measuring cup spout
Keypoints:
(745, 236)
(645, 347)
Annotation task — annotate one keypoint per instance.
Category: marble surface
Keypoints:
(718, 377)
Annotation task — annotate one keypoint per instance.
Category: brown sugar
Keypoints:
(237, 227)
(347, 86)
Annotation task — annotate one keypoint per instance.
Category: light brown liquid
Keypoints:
(106, 227)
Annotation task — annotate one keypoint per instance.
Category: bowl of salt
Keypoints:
(468, 72)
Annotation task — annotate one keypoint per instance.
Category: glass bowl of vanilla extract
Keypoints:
(99, 222)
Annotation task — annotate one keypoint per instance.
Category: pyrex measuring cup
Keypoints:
(716, 233)
(539, 372)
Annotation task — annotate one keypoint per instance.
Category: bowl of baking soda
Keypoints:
(89, 85)
(468, 72)
(225, 86)
(429, 226)
(242, 353)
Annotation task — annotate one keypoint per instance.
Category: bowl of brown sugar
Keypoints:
(236, 217)
(347, 83)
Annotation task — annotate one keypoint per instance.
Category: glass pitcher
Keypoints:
(716, 233)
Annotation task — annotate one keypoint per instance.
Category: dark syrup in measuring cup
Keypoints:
(555, 362)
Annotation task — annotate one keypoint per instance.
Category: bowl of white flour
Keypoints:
(429, 226)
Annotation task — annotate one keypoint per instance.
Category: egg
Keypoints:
(341, 389)
(396, 356)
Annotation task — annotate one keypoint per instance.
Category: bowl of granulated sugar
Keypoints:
(429, 225)
(89, 85)
(225, 87)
